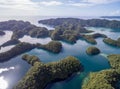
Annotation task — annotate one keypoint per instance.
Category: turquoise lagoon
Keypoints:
(13, 70)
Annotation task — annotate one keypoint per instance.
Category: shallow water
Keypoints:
(111, 33)
(13, 70)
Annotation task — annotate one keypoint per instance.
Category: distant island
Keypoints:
(65, 29)
(111, 17)
(69, 32)
(89, 23)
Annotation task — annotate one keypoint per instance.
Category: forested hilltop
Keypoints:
(65, 29)
(82, 22)
(111, 17)
(65, 32)
(41, 74)
(106, 79)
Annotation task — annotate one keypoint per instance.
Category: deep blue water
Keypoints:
(90, 63)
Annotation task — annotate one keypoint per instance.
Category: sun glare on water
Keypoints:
(3, 83)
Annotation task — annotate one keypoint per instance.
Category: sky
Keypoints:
(60, 7)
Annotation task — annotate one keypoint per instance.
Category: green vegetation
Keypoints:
(105, 79)
(71, 33)
(83, 23)
(30, 59)
(2, 33)
(101, 80)
(91, 38)
(21, 28)
(14, 25)
(53, 46)
(119, 39)
(68, 32)
(42, 74)
(70, 36)
(112, 42)
(31, 31)
(18, 34)
(39, 32)
(92, 50)
(114, 60)
(55, 35)
(15, 51)
(97, 35)
(111, 17)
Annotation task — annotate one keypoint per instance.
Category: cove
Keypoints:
(91, 63)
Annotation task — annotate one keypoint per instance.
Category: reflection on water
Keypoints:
(4, 49)
(111, 33)
(104, 55)
(91, 63)
(13, 70)
(35, 40)
(3, 83)
(6, 69)
(48, 27)
(6, 37)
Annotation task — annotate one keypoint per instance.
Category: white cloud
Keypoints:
(81, 4)
(6, 69)
(3, 83)
(99, 1)
(117, 12)
(86, 3)
(51, 3)
(25, 7)
(19, 7)
(18, 4)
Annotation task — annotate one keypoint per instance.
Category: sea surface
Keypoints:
(13, 70)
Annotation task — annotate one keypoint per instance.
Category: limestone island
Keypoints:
(71, 33)
(22, 47)
(15, 51)
(112, 42)
(84, 23)
(40, 74)
(69, 30)
(31, 59)
(92, 50)
(105, 79)
(53, 46)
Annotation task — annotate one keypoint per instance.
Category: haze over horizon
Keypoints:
(60, 7)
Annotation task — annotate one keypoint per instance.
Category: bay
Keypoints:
(90, 63)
